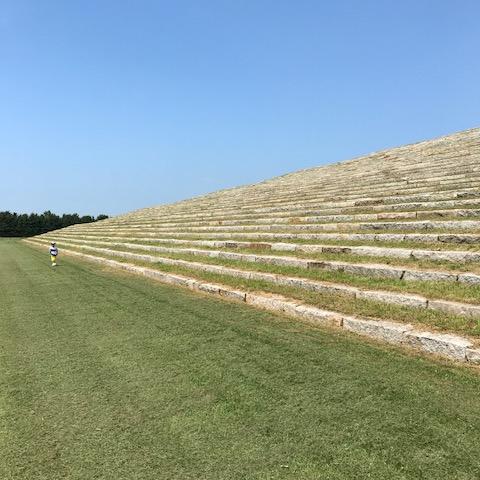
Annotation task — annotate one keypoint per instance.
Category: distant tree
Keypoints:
(101, 217)
(24, 225)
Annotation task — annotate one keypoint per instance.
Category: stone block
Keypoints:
(428, 276)
(389, 237)
(209, 288)
(396, 215)
(382, 252)
(318, 316)
(469, 278)
(455, 308)
(372, 270)
(284, 247)
(237, 295)
(335, 249)
(273, 303)
(473, 355)
(450, 256)
(425, 237)
(459, 238)
(310, 248)
(404, 300)
(390, 332)
(283, 261)
(447, 345)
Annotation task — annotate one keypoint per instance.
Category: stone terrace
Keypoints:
(386, 245)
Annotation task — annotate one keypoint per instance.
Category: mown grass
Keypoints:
(335, 302)
(114, 377)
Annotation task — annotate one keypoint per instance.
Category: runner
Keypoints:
(53, 254)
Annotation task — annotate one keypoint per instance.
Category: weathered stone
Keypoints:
(455, 308)
(370, 270)
(233, 294)
(390, 332)
(286, 261)
(335, 249)
(450, 256)
(257, 245)
(389, 237)
(461, 225)
(318, 316)
(473, 355)
(424, 237)
(396, 215)
(469, 278)
(285, 247)
(382, 252)
(428, 276)
(274, 303)
(210, 288)
(442, 344)
(318, 264)
(459, 238)
(405, 300)
(310, 248)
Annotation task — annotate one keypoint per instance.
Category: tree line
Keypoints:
(25, 225)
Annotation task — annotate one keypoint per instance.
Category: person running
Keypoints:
(53, 254)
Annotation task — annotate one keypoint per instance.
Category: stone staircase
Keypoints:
(386, 245)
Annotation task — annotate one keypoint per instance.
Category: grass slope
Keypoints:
(111, 376)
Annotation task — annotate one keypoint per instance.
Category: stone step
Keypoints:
(419, 254)
(361, 269)
(173, 211)
(364, 196)
(357, 200)
(447, 238)
(420, 208)
(288, 220)
(417, 225)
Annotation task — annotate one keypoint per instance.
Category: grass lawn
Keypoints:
(110, 376)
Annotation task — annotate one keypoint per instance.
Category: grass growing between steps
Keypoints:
(458, 267)
(335, 302)
(454, 291)
(112, 376)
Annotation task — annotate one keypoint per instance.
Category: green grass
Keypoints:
(111, 376)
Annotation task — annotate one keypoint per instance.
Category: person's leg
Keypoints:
(53, 260)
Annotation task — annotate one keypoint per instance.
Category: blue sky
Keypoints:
(109, 106)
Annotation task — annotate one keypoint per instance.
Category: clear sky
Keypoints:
(112, 105)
